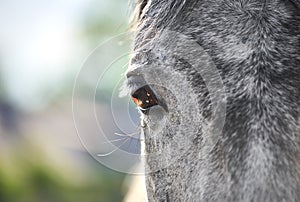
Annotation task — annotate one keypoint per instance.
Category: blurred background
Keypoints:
(43, 46)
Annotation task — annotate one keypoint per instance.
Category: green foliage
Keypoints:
(30, 177)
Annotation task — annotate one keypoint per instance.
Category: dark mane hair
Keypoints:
(170, 10)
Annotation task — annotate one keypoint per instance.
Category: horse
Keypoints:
(217, 83)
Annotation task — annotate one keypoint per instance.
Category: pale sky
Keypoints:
(39, 44)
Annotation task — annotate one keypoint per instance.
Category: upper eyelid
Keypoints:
(134, 80)
(133, 83)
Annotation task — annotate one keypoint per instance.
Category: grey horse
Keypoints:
(218, 86)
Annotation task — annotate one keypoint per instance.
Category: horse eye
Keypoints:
(144, 98)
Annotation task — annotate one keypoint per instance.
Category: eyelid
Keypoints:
(134, 83)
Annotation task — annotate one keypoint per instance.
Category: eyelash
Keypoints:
(144, 98)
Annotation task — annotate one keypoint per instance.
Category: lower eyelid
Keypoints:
(144, 111)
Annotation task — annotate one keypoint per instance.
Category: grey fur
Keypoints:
(255, 46)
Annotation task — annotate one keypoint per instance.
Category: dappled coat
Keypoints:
(218, 85)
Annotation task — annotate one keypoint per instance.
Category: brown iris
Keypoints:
(144, 97)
